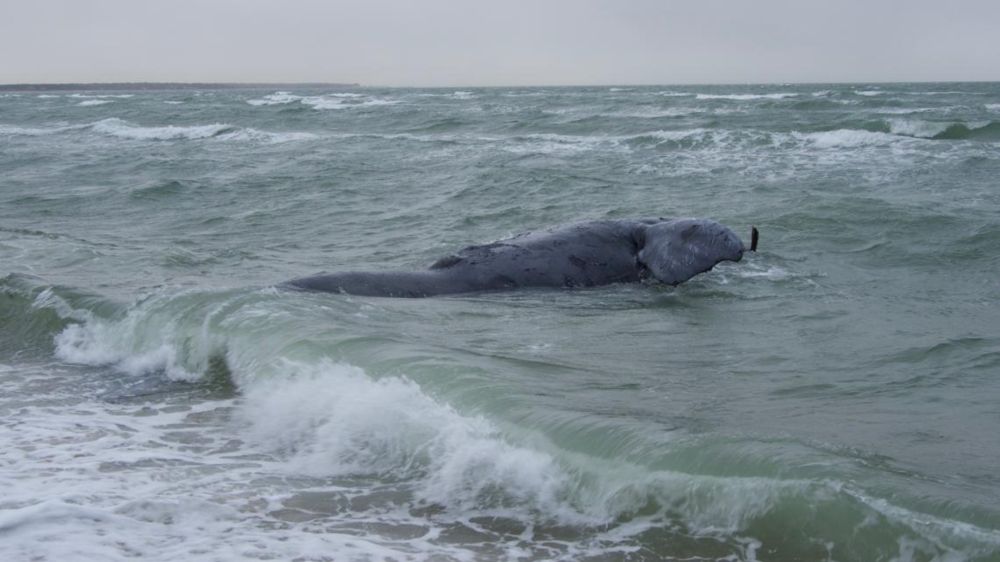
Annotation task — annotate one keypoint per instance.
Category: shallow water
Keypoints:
(831, 397)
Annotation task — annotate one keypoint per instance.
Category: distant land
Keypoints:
(133, 86)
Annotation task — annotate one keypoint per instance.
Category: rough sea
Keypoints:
(833, 397)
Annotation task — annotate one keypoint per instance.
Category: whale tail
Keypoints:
(677, 250)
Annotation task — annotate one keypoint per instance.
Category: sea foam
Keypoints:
(344, 100)
(746, 97)
(122, 129)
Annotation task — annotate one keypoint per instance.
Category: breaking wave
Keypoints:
(747, 97)
(323, 418)
(119, 128)
(347, 100)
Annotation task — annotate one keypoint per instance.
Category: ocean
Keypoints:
(835, 396)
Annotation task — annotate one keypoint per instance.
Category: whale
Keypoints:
(584, 254)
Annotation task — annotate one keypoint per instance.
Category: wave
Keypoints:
(982, 131)
(657, 113)
(256, 135)
(847, 138)
(13, 130)
(88, 103)
(746, 97)
(32, 313)
(326, 101)
(101, 96)
(122, 129)
(326, 418)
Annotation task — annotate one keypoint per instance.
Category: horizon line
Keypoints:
(29, 86)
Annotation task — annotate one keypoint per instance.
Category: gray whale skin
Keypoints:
(585, 254)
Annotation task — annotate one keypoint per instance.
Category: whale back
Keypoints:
(676, 250)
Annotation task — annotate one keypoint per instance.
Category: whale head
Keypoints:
(677, 250)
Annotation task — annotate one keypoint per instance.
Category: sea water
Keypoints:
(834, 396)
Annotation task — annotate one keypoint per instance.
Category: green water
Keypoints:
(832, 397)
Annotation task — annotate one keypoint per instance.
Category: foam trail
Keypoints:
(746, 97)
(119, 128)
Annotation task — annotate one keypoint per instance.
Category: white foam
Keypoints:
(916, 128)
(869, 93)
(122, 129)
(335, 420)
(847, 138)
(993, 106)
(340, 103)
(551, 143)
(29, 131)
(217, 131)
(745, 97)
(101, 96)
(144, 341)
(88, 103)
(93, 343)
(255, 135)
(277, 98)
(342, 100)
(656, 113)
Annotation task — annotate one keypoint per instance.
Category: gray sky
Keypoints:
(509, 42)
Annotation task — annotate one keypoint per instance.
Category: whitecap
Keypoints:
(847, 138)
(101, 96)
(38, 131)
(256, 135)
(916, 128)
(336, 100)
(277, 98)
(656, 113)
(122, 129)
(13, 130)
(88, 103)
(746, 97)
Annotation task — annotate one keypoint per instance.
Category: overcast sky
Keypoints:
(500, 42)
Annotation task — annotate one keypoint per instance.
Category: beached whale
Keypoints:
(585, 254)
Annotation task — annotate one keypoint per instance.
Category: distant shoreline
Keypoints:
(140, 86)
(161, 86)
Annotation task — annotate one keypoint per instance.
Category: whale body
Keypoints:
(585, 254)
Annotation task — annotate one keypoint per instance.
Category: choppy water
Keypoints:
(833, 397)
